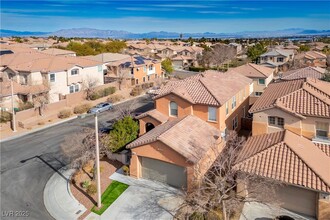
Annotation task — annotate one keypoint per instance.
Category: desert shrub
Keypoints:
(196, 216)
(5, 116)
(137, 90)
(94, 96)
(115, 98)
(79, 109)
(147, 85)
(125, 169)
(25, 105)
(85, 184)
(107, 91)
(41, 123)
(65, 113)
(91, 189)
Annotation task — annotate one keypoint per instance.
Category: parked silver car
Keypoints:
(104, 106)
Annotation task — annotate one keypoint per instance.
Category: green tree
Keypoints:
(167, 66)
(304, 48)
(326, 76)
(255, 51)
(115, 46)
(124, 131)
(81, 49)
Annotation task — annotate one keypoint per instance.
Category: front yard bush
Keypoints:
(5, 116)
(25, 105)
(102, 93)
(115, 98)
(137, 90)
(91, 189)
(65, 113)
(147, 85)
(80, 109)
(85, 184)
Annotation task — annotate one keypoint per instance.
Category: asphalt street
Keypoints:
(28, 162)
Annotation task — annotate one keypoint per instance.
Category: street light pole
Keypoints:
(12, 106)
(98, 179)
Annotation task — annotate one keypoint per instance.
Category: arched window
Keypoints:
(173, 109)
(149, 126)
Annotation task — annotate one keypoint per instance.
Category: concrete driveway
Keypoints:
(143, 199)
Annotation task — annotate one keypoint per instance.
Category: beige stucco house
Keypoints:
(260, 75)
(191, 116)
(301, 106)
(277, 59)
(300, 167)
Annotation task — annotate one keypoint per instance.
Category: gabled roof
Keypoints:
(252, 70)
(21, 89)
(315, 55)
(302, 97)
(189, 136)
(278, 52)
(108, 57)
(286, 157)
(307, 72)
(155, 114)
(57, 52)
(209, 88)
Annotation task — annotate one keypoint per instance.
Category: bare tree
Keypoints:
(41, 100)
(122, 75)
(89, 86)
(222, 53)
(220, 187)
(79, 148)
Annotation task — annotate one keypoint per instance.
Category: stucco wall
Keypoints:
(144, 121)
(184, 107)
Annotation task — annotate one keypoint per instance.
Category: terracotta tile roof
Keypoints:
(307, 72)
(209, 88)
(325, 147)
(21, 89)
(155, 114)
(315, 55)
(36, 61)
(252, 70)
(273, 92)
(57, 52)
(189, 136)
(288, 158)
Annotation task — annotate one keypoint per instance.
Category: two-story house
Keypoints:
(190, 116)
(136, 69)
(314, 58)
(301, 106)
(277, 59)
(61, 74)
(260, 75)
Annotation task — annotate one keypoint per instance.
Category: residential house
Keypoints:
(237, 46)
(190, 117)
(62, 74)
(277, 59)
(301, 106)
(136, 69)
(260, 75)
(300, 167)
(314, 58)
(307, 72)
(59, 52)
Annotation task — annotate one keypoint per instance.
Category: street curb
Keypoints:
(60, 122)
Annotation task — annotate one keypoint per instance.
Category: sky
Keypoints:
(217, 16)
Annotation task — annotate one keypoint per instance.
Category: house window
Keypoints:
(74, 72)
(280, 59)
(74, 88)
(52, 77)
(235, 122)
(144, 79)
(227, 110)
(212, 113)
(322, 130)
(148, 78)
(233, 103)
(276, 121)
(261, 81)
(99, 68)
(258, 93)
(244, 109)
(145, 69)
(173, 109)
(137, 81)
(151, 67)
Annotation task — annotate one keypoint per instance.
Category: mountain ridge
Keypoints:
(120, 34)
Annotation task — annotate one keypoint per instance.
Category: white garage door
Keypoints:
(298, 200)
(163, 172)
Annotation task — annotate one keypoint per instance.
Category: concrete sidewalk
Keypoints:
(143, 199)
(58, 199)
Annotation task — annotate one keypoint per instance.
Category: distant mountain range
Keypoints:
(95, 33)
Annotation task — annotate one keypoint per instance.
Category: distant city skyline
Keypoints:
(177, 16)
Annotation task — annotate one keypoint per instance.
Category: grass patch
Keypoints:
(114, 190)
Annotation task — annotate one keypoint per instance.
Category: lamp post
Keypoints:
(98, 179)
(12, 106)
